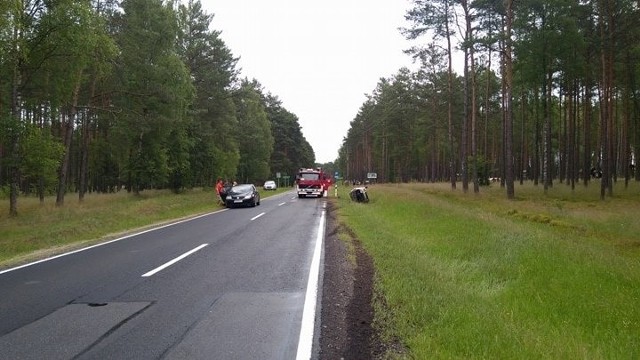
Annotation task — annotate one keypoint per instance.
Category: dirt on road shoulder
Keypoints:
(347, 314)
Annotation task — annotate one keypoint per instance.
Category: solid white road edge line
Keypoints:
(108, 242)
(305, 342)
(257, 216)
(166, 265)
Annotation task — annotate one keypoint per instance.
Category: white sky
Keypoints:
(319, 58)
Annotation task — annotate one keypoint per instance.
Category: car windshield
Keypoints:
(241, 188)
(309, 176)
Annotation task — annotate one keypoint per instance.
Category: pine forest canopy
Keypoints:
(549, 92)
(100, 95)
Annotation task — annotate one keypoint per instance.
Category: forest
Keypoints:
(111, 95)
(548, 94)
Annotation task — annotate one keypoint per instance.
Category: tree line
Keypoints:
(548, 93)
(103, 95)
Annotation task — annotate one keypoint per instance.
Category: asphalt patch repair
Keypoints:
(347, 314)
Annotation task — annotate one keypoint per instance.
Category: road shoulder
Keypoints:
(347, 314)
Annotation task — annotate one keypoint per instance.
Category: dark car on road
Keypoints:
(242, 195)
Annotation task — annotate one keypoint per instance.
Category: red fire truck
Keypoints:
(312, 182)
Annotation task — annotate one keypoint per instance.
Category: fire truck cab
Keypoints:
(312, 182)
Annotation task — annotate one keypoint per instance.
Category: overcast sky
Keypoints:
(319, 58)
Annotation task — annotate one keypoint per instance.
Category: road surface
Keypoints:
(227, 285)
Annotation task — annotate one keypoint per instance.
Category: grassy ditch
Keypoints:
(478, 276)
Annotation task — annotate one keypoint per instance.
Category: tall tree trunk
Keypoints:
(509, 103)
(84, 147)
(68, 136)
(464, 172)
(67, 130)
(84, 156)
(435, 153)
(624, 139)
(452, 155)
(473, 105)
(604, 142)
(486, 113)
(635, 126)
(474, 129)
(610, 108)
(571, 170)
(606, 122)
(503, 83)
(523, 171)
(14, 133)
(537, 140)
(435, 156)
(586, 161)
(627, 116)
(547, 160)
(562, 138)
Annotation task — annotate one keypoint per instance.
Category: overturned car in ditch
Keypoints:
(359, 194)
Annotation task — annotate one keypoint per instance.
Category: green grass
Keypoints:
(477, 276)
(44, 229)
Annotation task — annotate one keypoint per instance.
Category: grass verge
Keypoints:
(478, 276)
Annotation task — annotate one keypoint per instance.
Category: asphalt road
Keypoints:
(227, 285)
